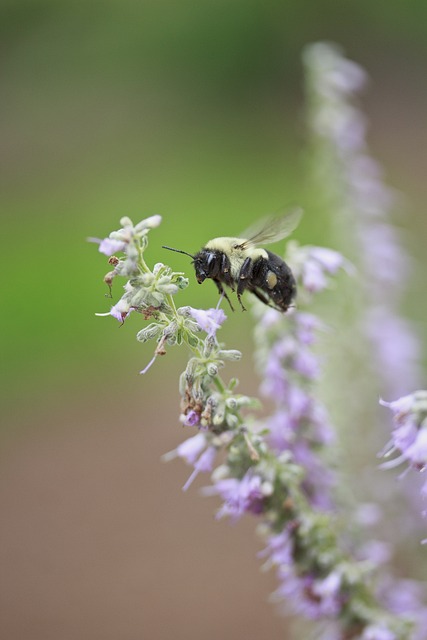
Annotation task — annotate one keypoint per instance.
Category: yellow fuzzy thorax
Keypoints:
(236, 255)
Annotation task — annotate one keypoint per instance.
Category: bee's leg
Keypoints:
(244, 276)
(264, 299)
(260, 296)
(223, 293)
(225, 272)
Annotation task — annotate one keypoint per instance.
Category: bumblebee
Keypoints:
(240, 264)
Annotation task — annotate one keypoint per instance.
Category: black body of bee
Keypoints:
(242, 264)
(268, 278)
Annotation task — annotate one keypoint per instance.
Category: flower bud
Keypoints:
(150, 332)
(218, 419)
(122, 235)
(146, 279)
(192, 339)
(245, 401)
(220, 473)
(232, 420)
(190, 370)
(170, 330)
(158, 267)
(231, 403)
(154, 298)
(230, 354)
(212, 369)
(184, 311)
(108, 278)
(182, 283)
(267, 488)
(168, 289)
(148, 223)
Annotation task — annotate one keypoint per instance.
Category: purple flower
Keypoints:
(275, 378)
(305, 363)
(311, 597)
(409, 437)
(383, 255)
(331, 261)
(306, 326)
(194, 451)
(300, 424)
(318, 263)
(313, 277)
(334, 73)
(108, 246)
(405, 434)
(191, 418)
(241, 496)
(376, 552)
(400, 407)
(208, 320)
(328, 591)
(318, 478)
(378, 632)
(417, 451)
(202, 465)
(298, 402)
(119, 311)
(360, 193)
(281, 429)
(279, 549)
(404, 597)
(191, 448)
(397, 348)
(321, 428)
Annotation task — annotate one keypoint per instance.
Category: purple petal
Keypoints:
(401, 406)
(417, 452)
(208, 320)
(109, 246)
(191, 418)
(329, 259)
(191, 448)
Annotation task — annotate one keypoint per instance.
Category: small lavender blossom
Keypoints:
(204, 464)
(190, 449)
(378, 632)
(409, 437)
(362, 204)
(210, 320)
(408, 444)
(313, 265)
(108, 246)
(191, 419)
(407, 596)
(246, 495)
(120, 311)
(149, 223)
(289, 368)
(313, 598)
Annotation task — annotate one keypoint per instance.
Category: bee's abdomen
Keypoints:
(275, 279)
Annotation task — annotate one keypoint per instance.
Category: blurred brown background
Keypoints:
(193, 110)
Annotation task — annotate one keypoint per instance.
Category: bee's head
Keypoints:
(202, 261)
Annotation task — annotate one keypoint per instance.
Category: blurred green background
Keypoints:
(193, 110)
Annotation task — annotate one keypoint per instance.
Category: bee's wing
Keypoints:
(272, 229)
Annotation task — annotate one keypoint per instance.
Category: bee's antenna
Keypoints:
(178, 251)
